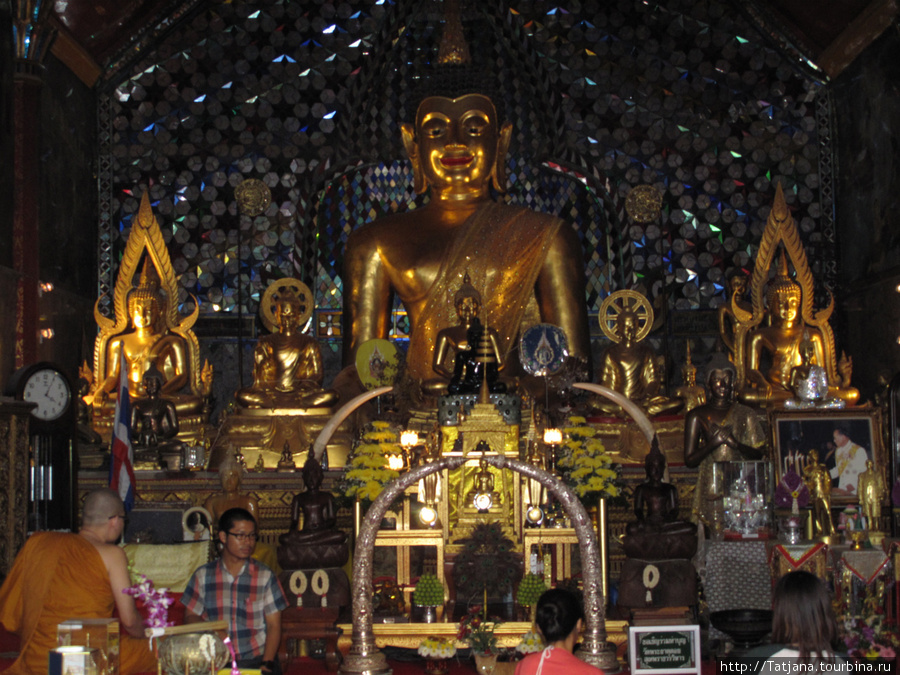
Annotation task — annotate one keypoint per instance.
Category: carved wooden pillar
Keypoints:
(32, 37)
(14, 438)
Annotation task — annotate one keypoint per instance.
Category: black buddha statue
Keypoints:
(318, 543)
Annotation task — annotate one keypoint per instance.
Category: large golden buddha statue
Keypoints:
(529, 262)
(767, 339)
(147, 332)
(628, 366)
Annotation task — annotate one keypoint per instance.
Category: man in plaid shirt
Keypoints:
(243, 592)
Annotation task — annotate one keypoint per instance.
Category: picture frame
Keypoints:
(838, 436)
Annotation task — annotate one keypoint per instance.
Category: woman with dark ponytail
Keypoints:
(559, 619)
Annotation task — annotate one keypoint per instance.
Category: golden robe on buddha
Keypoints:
(59, 576)
(515, 241)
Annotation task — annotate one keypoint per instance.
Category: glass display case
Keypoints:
(746, 489)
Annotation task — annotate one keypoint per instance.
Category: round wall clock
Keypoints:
(46, 385)
(50, 391)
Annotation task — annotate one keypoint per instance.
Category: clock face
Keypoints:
(49, 389)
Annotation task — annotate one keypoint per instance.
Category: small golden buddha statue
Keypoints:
(718, 431)
(531, 262)
(736, 292)
(690, 392)
(286, 463)
(818, 481)
(286, 404)
(872, 492)
(287, 364)
(230, 476)
(628, 366)
(483, 494)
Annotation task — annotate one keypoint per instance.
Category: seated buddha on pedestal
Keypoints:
(287, 364)
(318, 543)
(628, 366)
(286, 404)
(154, 426)
(148, 332)
(658, 533)
(767, 339)
(531, 262)
(779, 346)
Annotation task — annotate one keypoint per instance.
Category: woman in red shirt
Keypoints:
(560, 619)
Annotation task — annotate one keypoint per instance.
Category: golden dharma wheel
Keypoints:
(269, 302)
(643, 203)
(253, 197)
(626, 301)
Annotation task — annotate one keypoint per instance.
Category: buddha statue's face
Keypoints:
(456, 144)
(152, 385)
(287, 315)
(467, 308)
(720, 384)
(143, 311)
(813, 457)
(655, 467)
(626, 326)
(785, 305)
(806, 350)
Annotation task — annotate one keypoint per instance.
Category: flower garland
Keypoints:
(585, 465)
(367, 471)
(791, 487)
(434, 647)
(156, 602)
(530, 643)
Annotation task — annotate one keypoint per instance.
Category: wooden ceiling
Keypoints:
(95, 34)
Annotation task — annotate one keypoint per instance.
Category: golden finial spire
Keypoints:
(454, 49)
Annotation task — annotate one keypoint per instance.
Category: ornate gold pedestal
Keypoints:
(262, 432)
(627, 445)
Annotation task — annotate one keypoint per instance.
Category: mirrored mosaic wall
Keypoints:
(605, 96)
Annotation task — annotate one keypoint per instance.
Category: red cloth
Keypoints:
(59, 576)
(557, 662)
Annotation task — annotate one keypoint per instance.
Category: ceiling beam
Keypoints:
(75, 57)
(859, 34)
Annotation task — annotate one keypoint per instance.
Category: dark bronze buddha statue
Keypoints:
(317, 543)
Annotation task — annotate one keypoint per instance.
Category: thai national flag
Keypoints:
(121, 465)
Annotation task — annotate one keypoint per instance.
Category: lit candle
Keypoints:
(552, 436)
(409, 438)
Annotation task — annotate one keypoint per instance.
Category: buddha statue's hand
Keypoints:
(720, 435)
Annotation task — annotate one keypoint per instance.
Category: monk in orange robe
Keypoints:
(59, 576)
